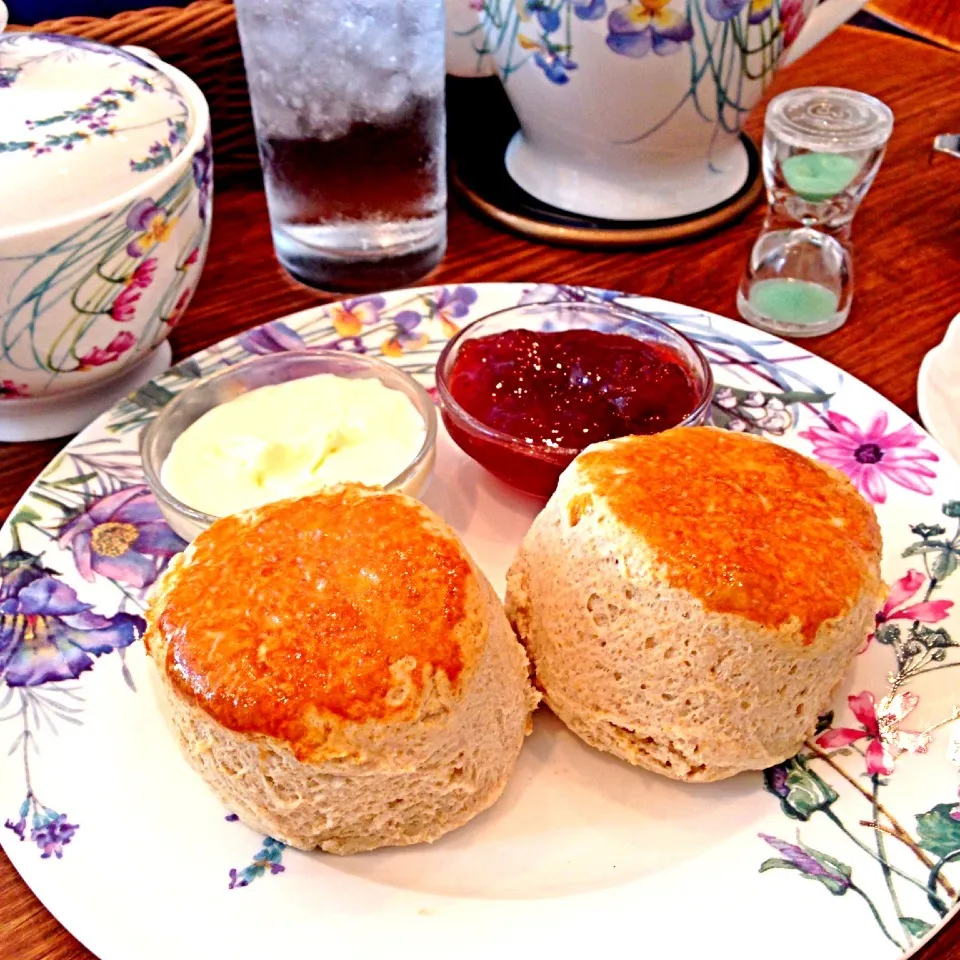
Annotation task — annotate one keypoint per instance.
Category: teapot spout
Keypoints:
(823, 20)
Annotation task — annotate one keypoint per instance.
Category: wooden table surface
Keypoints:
(907, 259)
(936, 20)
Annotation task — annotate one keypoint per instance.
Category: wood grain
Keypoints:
(907, 288)
(935, 20)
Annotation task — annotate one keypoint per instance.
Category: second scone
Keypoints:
(691, 600)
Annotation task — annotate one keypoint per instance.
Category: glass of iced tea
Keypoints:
(348, 105)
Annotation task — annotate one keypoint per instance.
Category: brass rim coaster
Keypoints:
(480, 174)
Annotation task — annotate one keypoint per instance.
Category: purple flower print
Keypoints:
(49, 830)
(727, 9)
(18, 569)
(833, 874)
(122, 536)
(203, 174)
(152, 222)
(871, 457)
(20, 827)
(47, 634)
(141, 214)
(724, 9)
(638, 27)
(801, 791)
(350, 316)
(406, 337)
(266, 859)
(53, 835)
(453, 305)
(555, 65)
(273, 337)
(590, 9)
(141, 83)
(547, 17)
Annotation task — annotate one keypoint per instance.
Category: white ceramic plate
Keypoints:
(938, 390)
(583, 856)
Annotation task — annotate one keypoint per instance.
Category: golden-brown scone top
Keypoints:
(339, 606)
(753, 535)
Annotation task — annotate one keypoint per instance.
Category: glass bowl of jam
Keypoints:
(524, 390)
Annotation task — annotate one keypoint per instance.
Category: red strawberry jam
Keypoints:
(558, 392)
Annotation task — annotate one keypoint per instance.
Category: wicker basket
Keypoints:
(201, 40)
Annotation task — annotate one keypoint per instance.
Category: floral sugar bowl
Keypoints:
(106, 199)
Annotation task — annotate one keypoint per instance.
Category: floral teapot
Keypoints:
(632, 109)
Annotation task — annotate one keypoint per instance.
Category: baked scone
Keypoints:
(691, 600)
(340, 672)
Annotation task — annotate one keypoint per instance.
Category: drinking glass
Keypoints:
(822, 148)
(348, 103)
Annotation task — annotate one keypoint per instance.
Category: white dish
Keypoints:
(938, 390)
(583, 856)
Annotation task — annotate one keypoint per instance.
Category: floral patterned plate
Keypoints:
(853, 846)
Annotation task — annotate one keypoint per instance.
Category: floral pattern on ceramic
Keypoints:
(540, 31)
(114, 119)
(266, 861)
(634, 157)
(874, 456)
(83, 547)
(875, 738)
(79, 302)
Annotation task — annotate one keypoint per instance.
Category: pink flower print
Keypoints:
(142, 277)
(880, 725)
(792, 19)
(871, 457)
(192, 257)
(112, 352)
(125, 306)
(181, 307)
(927, 611)
(12, 391)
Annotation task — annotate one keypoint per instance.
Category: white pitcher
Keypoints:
(632, 109)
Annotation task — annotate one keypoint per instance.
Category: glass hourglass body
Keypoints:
(822, 148)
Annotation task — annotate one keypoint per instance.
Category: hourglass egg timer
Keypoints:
(822, 148)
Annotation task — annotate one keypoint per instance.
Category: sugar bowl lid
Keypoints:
(80, 123)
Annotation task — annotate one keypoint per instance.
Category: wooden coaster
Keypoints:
(480, 174)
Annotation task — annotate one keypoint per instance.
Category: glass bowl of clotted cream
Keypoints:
(286, 425)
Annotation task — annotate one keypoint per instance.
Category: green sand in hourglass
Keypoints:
(792, 301)
(819, 176)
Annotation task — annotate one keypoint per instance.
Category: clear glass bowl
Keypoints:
(158, 437)
(535, 468)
